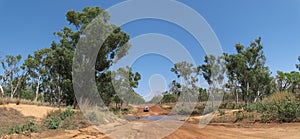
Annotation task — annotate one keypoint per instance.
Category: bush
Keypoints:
(222, 112)
(228, 105)
(29, 127)
(58, 119)
(288, 110)
(92, 116)
(68, 113)
(53, 122)
(283, 110)
(239, 115)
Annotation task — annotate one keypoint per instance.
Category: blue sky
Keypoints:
(28, 25)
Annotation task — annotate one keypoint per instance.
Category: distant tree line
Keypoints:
(246, 75)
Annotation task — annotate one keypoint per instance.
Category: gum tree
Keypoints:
(12, 73)
(59, 60)
(246, 70)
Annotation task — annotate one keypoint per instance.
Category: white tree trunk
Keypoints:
(11, 88)
(15, 89)
(37, 89)
(59, 96)
(237, 96)
(257, 96)
(248, 95)
(2, 91)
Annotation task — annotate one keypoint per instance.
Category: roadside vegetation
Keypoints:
(67, 119)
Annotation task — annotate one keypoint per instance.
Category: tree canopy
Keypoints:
(246, 70)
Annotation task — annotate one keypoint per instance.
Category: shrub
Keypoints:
(92, 116)
(68, 113)
(288, 110)
(228, 105)
(222, 112)
(53, 122)
(59, 119)
(29, 127)
(239, 115)
(285, 109)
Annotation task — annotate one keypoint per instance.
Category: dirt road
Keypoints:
(187, 131)
(192, 131)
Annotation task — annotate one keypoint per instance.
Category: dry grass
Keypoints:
(10, 117)
(16, 101)
(278, 96)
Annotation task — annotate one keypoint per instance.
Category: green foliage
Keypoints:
(50, 69)
(222, 112)
(283, 110)
(53, 122)
(288, 81)
(29, 127)
(227, 105)
(168, 98)
(189, 75)
(92, 116)
(57, 119)
(213, 70)
(175, 88)
(26, 94)
(239, 116)
(12, 76)
(124, 80)
(203, 95)
(246, 70)
(68, 113)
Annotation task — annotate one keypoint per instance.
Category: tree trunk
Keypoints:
(237, 96)
(59, 96)
(11, 88)
(213, 102)
(257, 96)
(37, 89)
(15, 89)
(247, 99)
(2, 91)
(74, 103)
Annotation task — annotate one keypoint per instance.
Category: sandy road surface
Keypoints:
(154, 130)
(189, 131)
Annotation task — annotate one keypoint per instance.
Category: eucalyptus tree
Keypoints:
(12, 73)
(283, 81)
(36, 69)
(2, 80)
(246, 70)
(189, 75)
(124, 80)
(295, 82)
(58, 61)
(288, 81)
(213, 71)
(175, 88)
